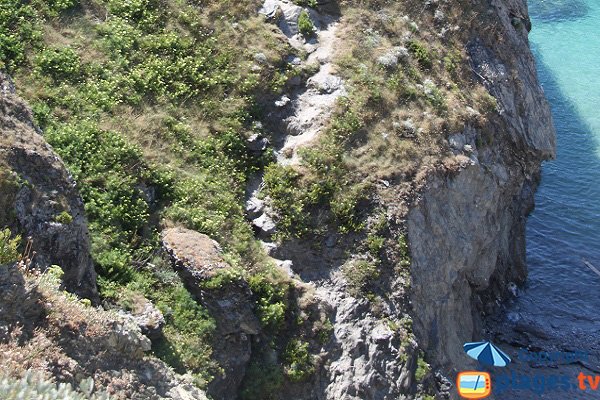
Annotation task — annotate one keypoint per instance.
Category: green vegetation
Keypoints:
(271, 296)
(359, 274)
(375, 244)
(421, 53)
(64, 218)
(149, 104)
(36, 386)
(8, 247)
(307, 3)
(262, 381)
(299, 364)
(305, 25)
(404, 251)
(422, 369)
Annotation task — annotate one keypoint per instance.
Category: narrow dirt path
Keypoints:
(302, 113)
(364, 353)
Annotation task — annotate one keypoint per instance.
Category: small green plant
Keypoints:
(307, 3)
(452, 61)
(326, 331)
(64, 218)
(8, 247)
(299, 364)
(422, 369)
(305, 24)
(374, 244)
(421, 53)
(345, 208)
(262, 381)
(404, 251)
(271, 300)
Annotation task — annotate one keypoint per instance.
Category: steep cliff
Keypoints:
(467, 228)
(366, 168)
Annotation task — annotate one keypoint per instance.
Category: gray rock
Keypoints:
(265, 225)
(148, 318)
(392, 57)
(261, 58)
(49, 192)
(331, 240)
(257, 143)
(467, 230)
(293, 60)
(325, 83)
(269, 9)
(254, 207)
(289, 23)
(287, 266)
(282, 102)
(197, 258)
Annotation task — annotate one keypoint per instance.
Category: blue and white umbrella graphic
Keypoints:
(487, 354)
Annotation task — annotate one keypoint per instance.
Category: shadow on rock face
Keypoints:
(19, 306)
(557, 10)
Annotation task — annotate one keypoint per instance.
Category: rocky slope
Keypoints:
(465, 224)
(39, 197)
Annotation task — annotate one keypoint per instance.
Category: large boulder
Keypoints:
(198, 260)
(39, 197)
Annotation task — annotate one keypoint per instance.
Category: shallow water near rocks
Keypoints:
(559, 308)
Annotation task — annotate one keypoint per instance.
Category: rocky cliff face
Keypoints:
(197, 259)
(40, 199)
(467, 228)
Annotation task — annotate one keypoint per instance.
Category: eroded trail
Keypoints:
(300, 115)
(365, 354)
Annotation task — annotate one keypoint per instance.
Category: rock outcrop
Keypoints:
(467, 229)
(40, 198)
(197, 259)
(42, 329)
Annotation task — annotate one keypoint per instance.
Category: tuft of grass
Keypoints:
(64, 218)
(359, 274)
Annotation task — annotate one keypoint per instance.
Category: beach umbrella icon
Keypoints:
(487, 354)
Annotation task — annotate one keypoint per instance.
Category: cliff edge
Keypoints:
(467, 228)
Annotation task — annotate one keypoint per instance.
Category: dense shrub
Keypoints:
(18, 29)
(421, 53)
(60, 63)
(305, 24)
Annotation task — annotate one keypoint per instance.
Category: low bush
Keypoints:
(262, 381)
(359, 274)
(420, 53)
(8, 247)
(299, 363)
(35, 386)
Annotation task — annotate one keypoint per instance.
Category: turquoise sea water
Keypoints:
(564, 229)
(559, 307)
